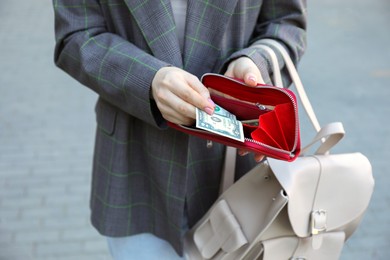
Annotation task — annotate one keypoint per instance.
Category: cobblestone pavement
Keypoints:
(47, 125)
(46, 140)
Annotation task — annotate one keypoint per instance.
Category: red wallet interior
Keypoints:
(273, 107)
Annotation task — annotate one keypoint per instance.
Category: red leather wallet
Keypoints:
(275, 111)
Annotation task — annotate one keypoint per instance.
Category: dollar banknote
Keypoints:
(222, 122)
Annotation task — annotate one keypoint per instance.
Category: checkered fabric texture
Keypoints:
(146, 177)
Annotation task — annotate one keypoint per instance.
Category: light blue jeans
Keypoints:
(141, 247)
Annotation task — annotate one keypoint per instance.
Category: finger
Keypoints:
(198, 95)
(230, 70)
(172, 115)
(242, 152)
(259, 157)
(173, 107)
(250, 79)
(244, 68)
(181, 91)
(196, 85)
(253, 76)
(182, 110)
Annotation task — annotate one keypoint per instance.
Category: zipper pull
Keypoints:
(261, 107)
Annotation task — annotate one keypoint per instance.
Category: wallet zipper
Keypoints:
(209, 142)
(296, 123)
(269, 147)
(296, 118)
(260, 143)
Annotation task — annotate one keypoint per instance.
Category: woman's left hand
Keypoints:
(244, 68)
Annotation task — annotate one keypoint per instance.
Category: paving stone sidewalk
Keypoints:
(47, 126)
(46, 138)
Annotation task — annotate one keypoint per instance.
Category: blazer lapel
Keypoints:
(156, 21)
(205, 28)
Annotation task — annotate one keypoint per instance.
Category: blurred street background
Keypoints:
(47, 125)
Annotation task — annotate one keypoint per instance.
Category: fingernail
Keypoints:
(253, 79)
(259, 158)
(209, 110)
(211, 102)
(242, 153)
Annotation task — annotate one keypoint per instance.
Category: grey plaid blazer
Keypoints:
(145, 176)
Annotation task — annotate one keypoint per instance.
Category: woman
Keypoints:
(144, 59)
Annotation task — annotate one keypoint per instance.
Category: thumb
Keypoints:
(252, 78)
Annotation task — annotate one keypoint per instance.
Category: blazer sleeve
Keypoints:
(284, 21)
(117, 70)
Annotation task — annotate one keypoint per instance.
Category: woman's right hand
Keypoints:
(177, 93)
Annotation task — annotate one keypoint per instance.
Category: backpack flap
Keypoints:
(326, 192)
(299, 180)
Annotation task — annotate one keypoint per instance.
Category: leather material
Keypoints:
(254, 216)
(307, 208)
(300, 248)
(276, 200)
(222, 230)
(115, 48)
(277, 134)
(327, 182)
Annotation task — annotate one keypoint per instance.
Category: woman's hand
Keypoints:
(177, 93)
(244, 68)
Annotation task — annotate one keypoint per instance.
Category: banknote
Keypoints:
(222, 122)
